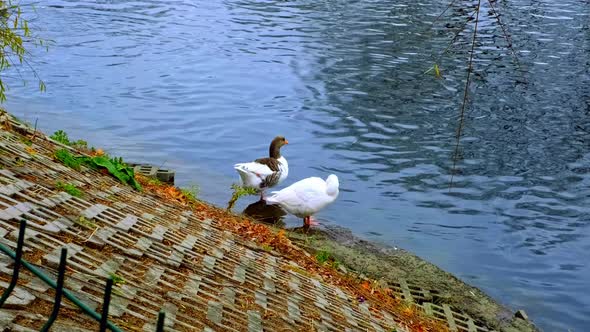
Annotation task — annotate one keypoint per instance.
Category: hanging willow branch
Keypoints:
(465, 95)
(505, 33)
(15, 39)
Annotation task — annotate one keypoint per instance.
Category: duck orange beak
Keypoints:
(286, 142)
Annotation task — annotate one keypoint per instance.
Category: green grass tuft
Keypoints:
(69, 188)
(325, 257)
(117, 279)
(115, 166)
(61, 136)
(240, 191)
(66, 158)
(82, 221)
(322, 256)
(190, 193)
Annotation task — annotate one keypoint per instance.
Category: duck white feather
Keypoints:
(255, 175)
(306, 197)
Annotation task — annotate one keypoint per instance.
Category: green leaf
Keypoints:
(68, 159)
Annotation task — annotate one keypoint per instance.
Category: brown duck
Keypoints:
(267, 172)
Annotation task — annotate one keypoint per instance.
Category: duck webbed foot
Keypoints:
(309, 221)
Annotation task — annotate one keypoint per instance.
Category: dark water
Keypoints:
(200, 85)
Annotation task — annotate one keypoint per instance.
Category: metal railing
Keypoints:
(60, 291)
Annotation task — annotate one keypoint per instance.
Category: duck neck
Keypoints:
(274, 151)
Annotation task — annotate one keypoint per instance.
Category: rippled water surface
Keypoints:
(200, 85)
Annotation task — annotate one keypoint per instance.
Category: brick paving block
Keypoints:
(215, 311)
(59, 198)
(70, 327)
(388, 318)
(204, 234)
(226, 245)
(260, 299)
(316, 283)
(14, 212)
(47, 202)
(126, 223)
(217, 253)
(183, 222)
(269, 272)
(37, 285)
(320, 326)
(321, 301)
(449, 315)
(118, 305)
(170, 309)
(115, 189)
(294, 283)
(340, 293)
(158, 232)
(347, 312)
(31, 233)
(209, 262)
(293, 308)
(269, 285)
(20, 298)
(189, 242)
(6, 318)
(62, 223)
(98, 193)
(119, 205)
(250, 254)
(326, 318)
(143, 244)
(254, 321)
(93, 211)
(176, 258)
(153, 274)
(52, 258)
(191, 287)
(364, 307)
(377, 327)
(240, 274)
(108, 267)
(7, 173)
(13, 188)
(147, 216)
(229, 296)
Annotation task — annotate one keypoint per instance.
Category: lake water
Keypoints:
(197, 86)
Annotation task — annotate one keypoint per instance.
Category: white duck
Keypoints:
(265, 173)
(306, 197)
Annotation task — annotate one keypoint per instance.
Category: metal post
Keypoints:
(161, 318)
(58, 290)
(105, 305)
(89, 311)
(17, 262)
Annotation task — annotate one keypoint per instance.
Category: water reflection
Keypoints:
(271, 214)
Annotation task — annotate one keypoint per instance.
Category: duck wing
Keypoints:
(302, 197)
(275, 166)
(272, 163)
